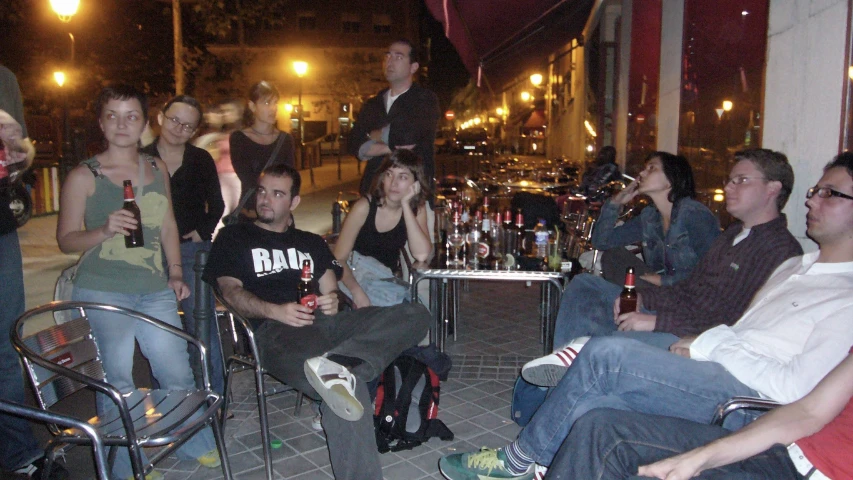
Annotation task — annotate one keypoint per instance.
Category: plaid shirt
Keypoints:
(722, 285)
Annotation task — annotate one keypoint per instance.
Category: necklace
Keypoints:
(262, 133)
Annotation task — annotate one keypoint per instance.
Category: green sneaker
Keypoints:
(210, 459)
(152, 475)
(487, 464)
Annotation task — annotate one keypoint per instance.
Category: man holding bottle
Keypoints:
(790, 337)
(323, 353)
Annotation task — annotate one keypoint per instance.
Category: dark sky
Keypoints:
(446, 71)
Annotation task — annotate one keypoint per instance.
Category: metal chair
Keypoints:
(34, 414)
(246, 356)
(64, 359)
(739, 403)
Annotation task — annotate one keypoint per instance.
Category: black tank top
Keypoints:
(383, 246)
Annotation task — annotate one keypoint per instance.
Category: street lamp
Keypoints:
(65, 8)
(301, 68)
(59, 78)
(525, 96)
(727, 105)
(536, 79)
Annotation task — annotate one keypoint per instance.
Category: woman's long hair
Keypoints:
(402, 158)
(678, 172)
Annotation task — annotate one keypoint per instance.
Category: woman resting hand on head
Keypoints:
(379, 225)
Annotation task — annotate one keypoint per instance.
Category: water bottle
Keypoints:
(540, 235)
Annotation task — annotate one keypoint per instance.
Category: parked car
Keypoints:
(473, 141)
(329, 143)
(445, 141)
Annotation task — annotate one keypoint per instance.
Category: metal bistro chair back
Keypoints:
(64, 359)
(246, 356)
(51, 418)
(741, 403)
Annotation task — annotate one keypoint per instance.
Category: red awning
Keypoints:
(536, 120)
(508, 37)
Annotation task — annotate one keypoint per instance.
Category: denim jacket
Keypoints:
(692, 230)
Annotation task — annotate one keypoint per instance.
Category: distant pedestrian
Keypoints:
(260, 144)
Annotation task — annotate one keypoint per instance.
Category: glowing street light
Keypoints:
(727, 105)
(65, 8)
(301, 68)
(59, 77)
(499, 111)
(536, 79)
(525, 96)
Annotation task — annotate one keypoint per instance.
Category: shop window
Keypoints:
(351, 23)
(307, 21)
(643, 76)
(722, 77)
(382, 24)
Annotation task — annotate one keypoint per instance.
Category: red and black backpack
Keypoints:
(407, 406)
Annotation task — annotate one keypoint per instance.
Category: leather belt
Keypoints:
(803, 465)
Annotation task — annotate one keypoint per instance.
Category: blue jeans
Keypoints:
(19, 446)
(586, 309)
(166, 353)
(612, 444)
(626, 374)
(214, 350)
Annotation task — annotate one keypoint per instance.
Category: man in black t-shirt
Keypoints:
(323, 353)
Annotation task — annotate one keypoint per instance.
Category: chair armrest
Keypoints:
(739, 403)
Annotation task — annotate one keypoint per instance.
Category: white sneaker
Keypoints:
(548, 370)
(317, 423)
(336, 385)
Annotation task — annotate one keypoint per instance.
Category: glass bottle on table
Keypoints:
(472, 240)
(496, 253)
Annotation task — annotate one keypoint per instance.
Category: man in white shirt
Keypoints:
(794, 332)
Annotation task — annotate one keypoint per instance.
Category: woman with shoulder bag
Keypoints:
(258, 146)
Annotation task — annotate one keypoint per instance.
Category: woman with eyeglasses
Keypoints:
(92, 220)
(196, 201)
(259, 145)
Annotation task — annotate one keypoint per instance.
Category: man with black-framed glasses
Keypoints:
(793, 333)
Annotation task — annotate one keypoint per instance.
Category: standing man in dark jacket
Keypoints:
(404, 115)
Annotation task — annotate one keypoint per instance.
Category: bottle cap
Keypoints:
(276, 444)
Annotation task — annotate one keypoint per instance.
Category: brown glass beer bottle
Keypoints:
(306, 293)
(628, 297)
(135, 238)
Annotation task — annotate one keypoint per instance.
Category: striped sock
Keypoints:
(517, 462)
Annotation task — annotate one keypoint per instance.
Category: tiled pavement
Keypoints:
(497, 333)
